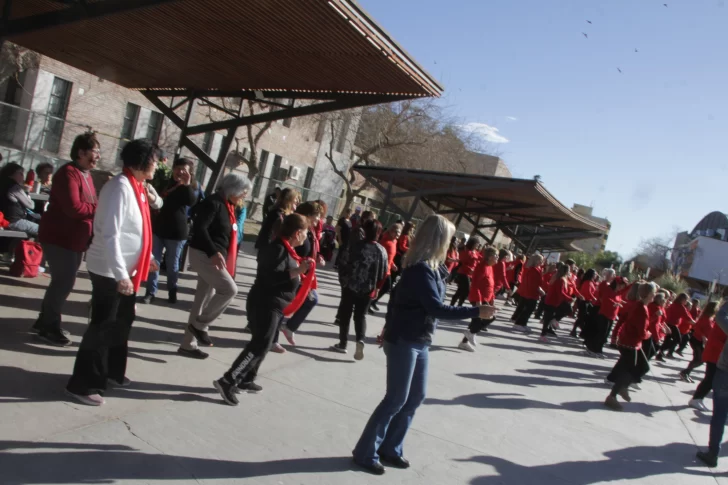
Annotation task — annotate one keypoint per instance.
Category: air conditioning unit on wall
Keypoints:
(294, 173)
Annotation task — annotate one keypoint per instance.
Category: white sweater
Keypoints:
(117, 239)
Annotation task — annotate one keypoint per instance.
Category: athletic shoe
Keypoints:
(624, 394)
(686, 377)
(277, 348)
(249, 387)
(554, 324)
(193, 353)
(698, 404)
(338, 348)
(519, 328)
(466, 346)
(290, 336)
(550, 331)
(91, 400)
(202, 337)
(635, 387)
(612, 403)
(226, 391)
(35, 328)
(373, 307)
(470, 338)
(600, 356)
(54, 337)
(544, 339)
(125, 382)
(660, 358)
(148, 298)
(359, 354)
(589, 353)
(708, 458)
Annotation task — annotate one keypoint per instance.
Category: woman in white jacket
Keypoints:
(118, 260)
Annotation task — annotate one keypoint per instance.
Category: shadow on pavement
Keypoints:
(110, 463)
(621, 465)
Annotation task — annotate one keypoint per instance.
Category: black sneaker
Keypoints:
(250, 387)
(338, 348)
(660, 358)
(193, 353)
(373, 307)
(202, 337)
(172, 296)
(36, 329)
(395, 461)
(226, 391)
(54, 337)
(708, 458)
(375, 468)
(148, 298)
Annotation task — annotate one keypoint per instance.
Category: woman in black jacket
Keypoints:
(276, 282)
(286, 204)
(170, 227)
(213, 254)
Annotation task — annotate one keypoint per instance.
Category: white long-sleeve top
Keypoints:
(117, 239)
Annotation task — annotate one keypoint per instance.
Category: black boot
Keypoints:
(173, 296)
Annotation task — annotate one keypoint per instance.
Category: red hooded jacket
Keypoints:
(716, 341)
(636, 328)
(558, 293)
(531, 283)
(482, 288)
(468, 261)
(703, 327)
(499, 272)
(657, 322)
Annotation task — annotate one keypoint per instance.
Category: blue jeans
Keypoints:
(174, 251)
(384, 434)
(720, 410)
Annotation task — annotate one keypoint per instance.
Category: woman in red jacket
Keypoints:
(453, 258)
(499, 272)
(676, 314)
(65, 233)
(588, 291)
(469, 258)
(632, 363)
(403, 244)
(530, 291)
(702, 329)
(482, 292)
(548, 273)
(713, 348)
(515, 277)
(630, 300)
(610, 301)
(694, 310)
(557, 303)
(389, 242)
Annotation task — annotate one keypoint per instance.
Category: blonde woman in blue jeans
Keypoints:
(412, 314)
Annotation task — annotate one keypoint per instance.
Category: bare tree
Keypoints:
(250, 136)
(655, 252)
(15, 59)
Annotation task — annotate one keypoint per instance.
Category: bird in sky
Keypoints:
(588, 21)
(620, 71)
(665, 4)
(636, 50)
(585, 35)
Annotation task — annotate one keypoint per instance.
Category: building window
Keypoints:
(276, 171)
(57, 108)
(154, 129)
(258, 184)
(128, 126)
(9, 114)
(309, 178)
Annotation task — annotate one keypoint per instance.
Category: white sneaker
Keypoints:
(466, 346)
(554, 324)
(92, 400)
(698, 404)
(470, 337)
(635, 386)
(277, 348)
(359, 354)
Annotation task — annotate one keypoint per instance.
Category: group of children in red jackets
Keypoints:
(644, 321)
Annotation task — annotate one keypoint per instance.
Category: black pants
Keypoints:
(672, 340)
(707, 383)
(540, 308)
(263, 321)
(386, 288)
(461, 294)
(340, 255)
(358, 305)
(698, 347)
(105, 344)
(63, 264)
(597, 337)
(584, 311)
(684, 340)
(553, 313)
(630, 367)
(478, 324)
(523, 311)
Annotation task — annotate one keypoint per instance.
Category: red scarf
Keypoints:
(145, 258)
(308, 280)
(232, 256)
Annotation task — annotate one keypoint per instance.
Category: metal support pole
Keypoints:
(388, 195)
(413, 208)
(188, 115)
(221, 157)
(495, 233)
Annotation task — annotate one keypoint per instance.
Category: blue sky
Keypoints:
(646, 148)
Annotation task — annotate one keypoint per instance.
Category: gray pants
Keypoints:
(63, 264)
(215, 290)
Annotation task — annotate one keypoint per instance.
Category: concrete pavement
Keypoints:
(515, 412)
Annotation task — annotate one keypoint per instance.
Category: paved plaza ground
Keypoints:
(517, 412)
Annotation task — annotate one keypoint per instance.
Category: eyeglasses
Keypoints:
(96, 151)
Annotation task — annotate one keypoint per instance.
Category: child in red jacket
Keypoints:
(676, 313)
(557, 303)
(632, 363)
(529, 292)
(469, 259)
(482, 292)
(702, 329)
(713, 348)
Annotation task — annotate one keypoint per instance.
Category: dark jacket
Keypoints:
(366, 269)
(171, 221)
(211, 228)
(12, 209)
(417, 303)
(273, 287)
(269, 227)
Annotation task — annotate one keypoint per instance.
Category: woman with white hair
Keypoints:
(213, 254)
(414, 308)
